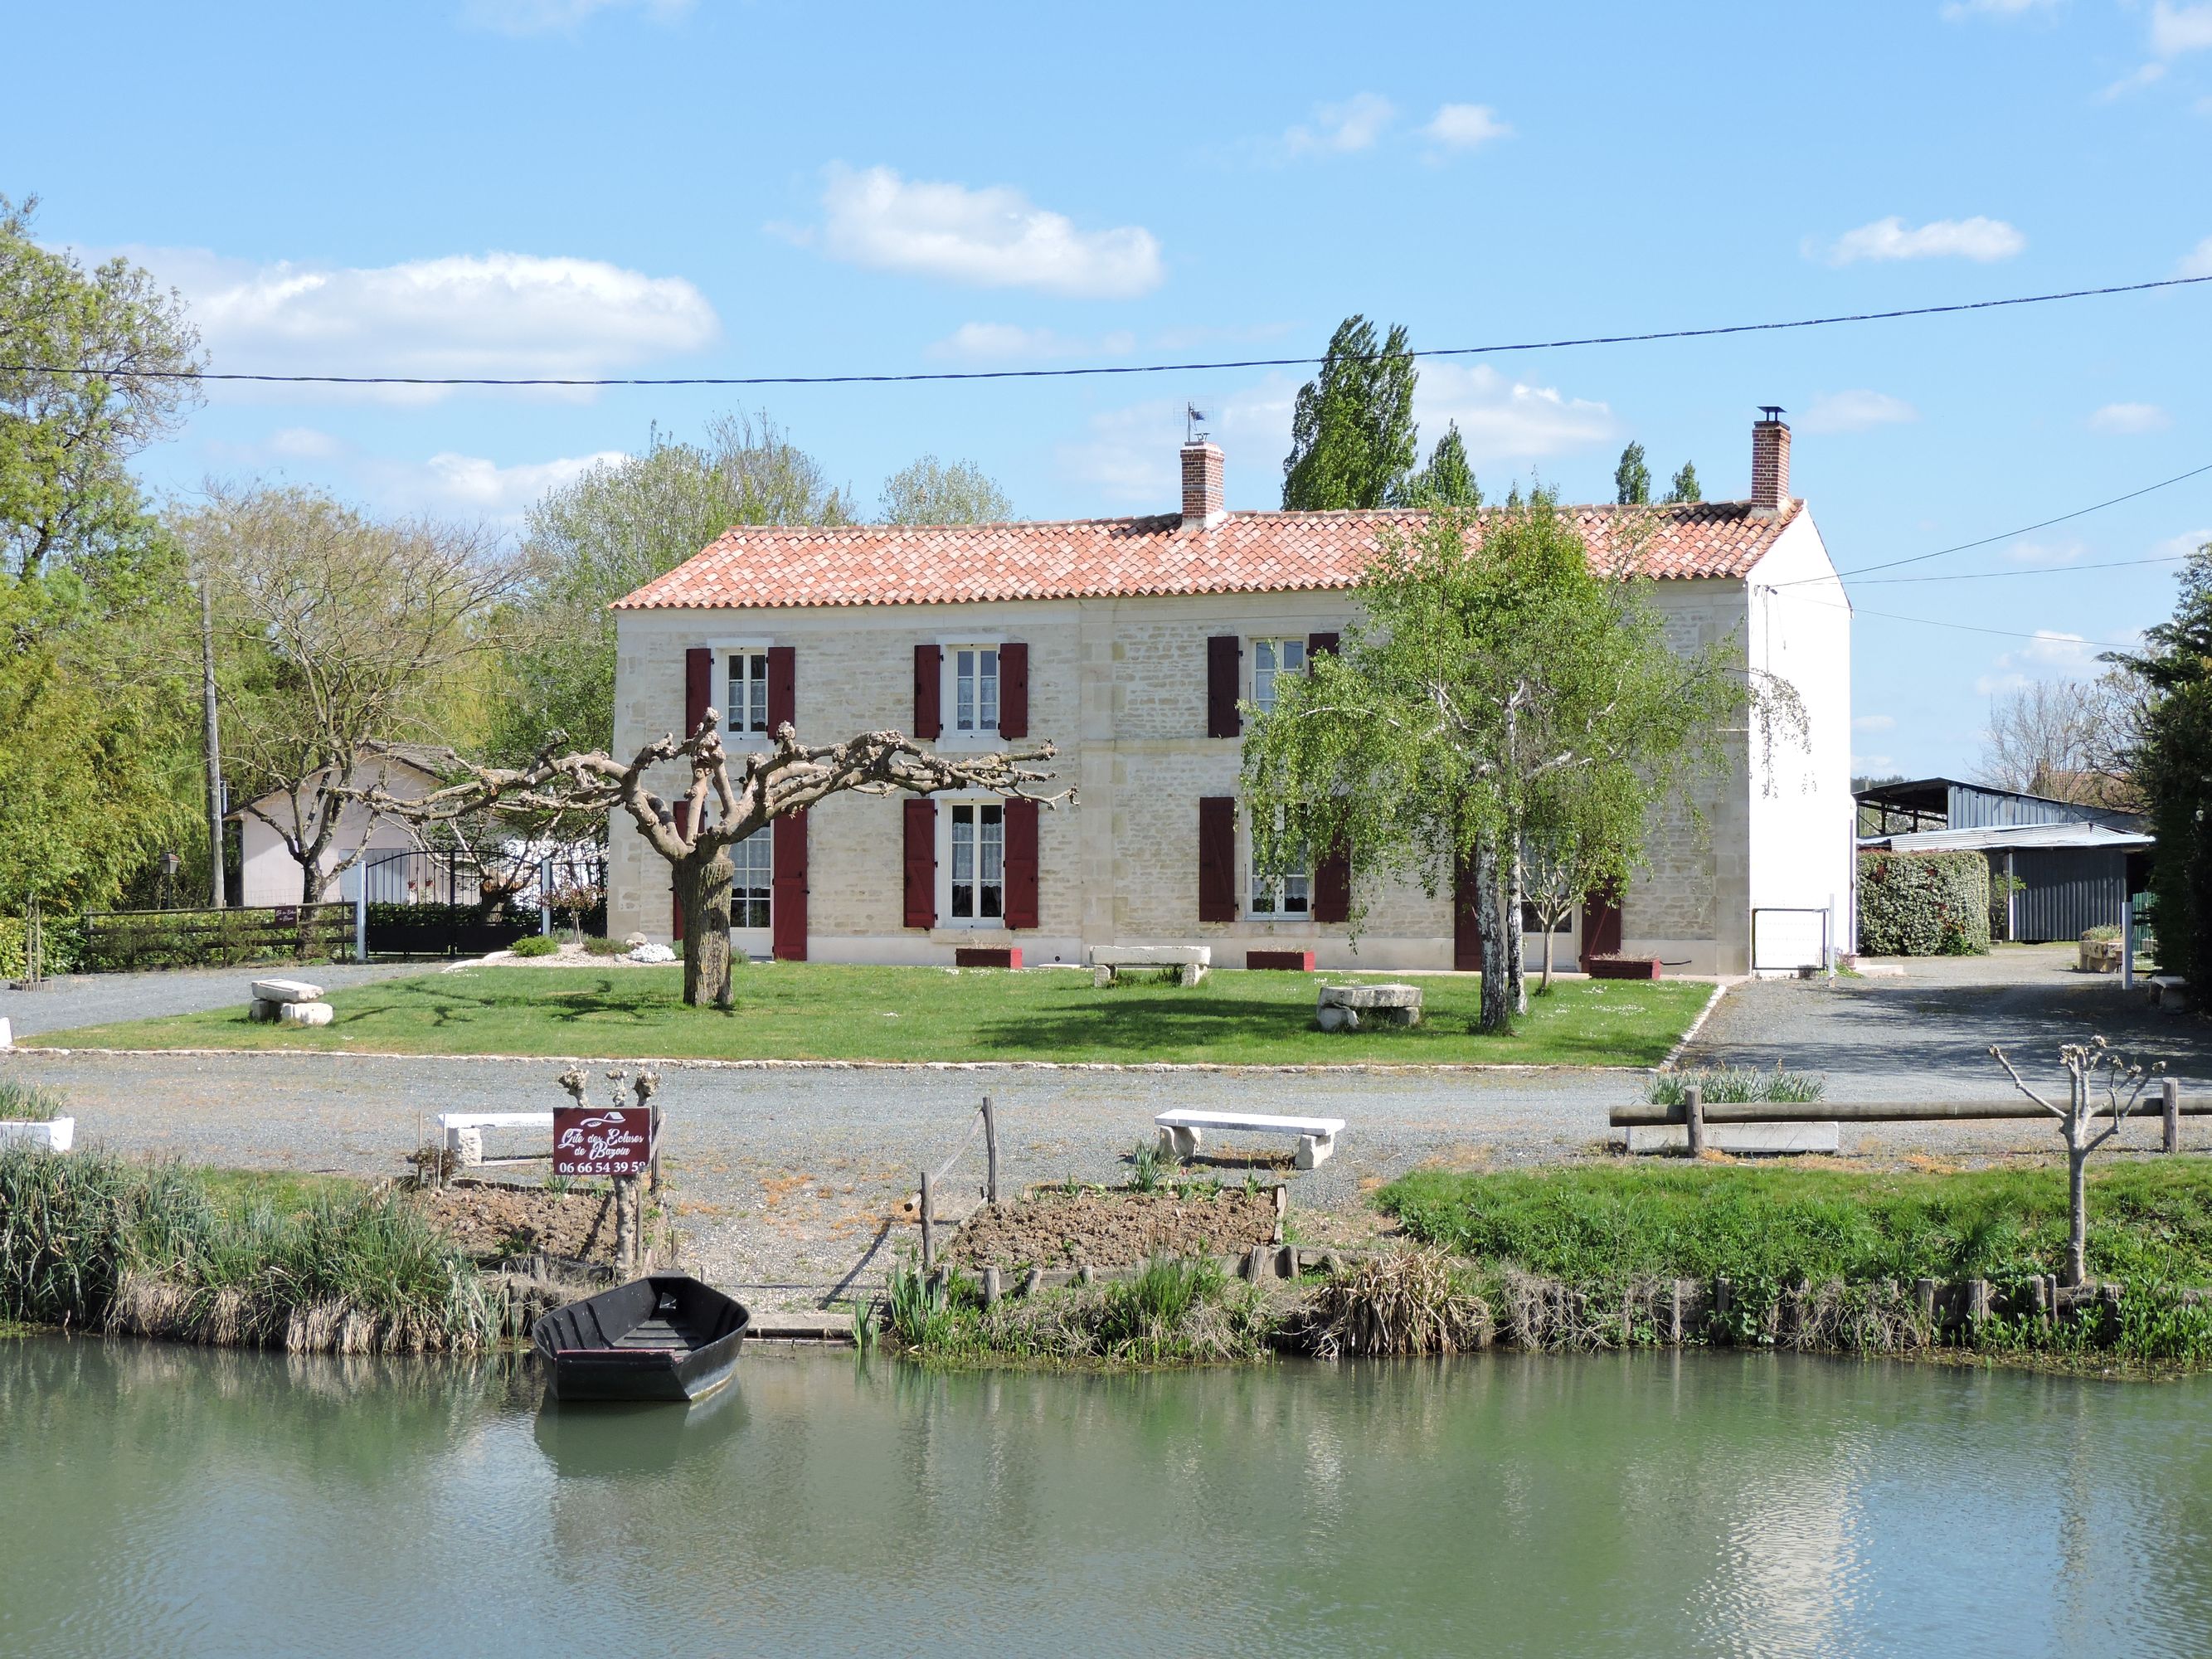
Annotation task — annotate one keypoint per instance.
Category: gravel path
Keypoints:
(786, 1177)
(72, 999)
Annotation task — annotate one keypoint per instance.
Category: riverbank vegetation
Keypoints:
(1171, 1310)
(820, 1010)
(307, 1264)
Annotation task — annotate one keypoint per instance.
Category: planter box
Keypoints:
(1622, 967)
(982, 956)
(55, 1135)
(1289, 962)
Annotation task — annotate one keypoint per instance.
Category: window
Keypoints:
(1287, 897)
(748, 897)
(1532, 921)
(1272, 658)
(978, 861)
(975, 688)
(746, 708)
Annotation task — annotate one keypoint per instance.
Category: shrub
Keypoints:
(596, 946)
(65, 945)
(536, 944)
(1923, 904)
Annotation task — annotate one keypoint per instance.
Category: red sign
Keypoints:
(602, 1140)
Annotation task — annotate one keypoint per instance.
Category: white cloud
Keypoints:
(995, 237)
(549, 16)
(452, 481)
(2181, 546)
(1342, 129)
(1979, 238)
(2149, 75)
(1463, 126)
(2130, 417)
(1856, 411)
(463, 314)
(2045, 553)
(1872, 766)
(2178, 29)
(1959, 10)
(2051, 654)
(303, 443)
(2198, 262)
(1010, 343)
(1503, 419)
(1874, 722)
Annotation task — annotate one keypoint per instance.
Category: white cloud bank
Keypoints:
(1979, 238)
(1464, 126)
(995, 237)
(557, 16)
(1960, 10)
(463, 314)
(1856, 411)
(1505, 420)
(2052, 653)
(2175, 30)
(1343, 129)
(2198, 262)
(1873, 722)
(2131, 418)
(1007, 342)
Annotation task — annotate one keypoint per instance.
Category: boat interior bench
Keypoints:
(1183, 1129)
(463, 1132)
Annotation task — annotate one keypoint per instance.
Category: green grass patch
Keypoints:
(814, 1010)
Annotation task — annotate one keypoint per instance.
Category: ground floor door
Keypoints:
(1601, 923)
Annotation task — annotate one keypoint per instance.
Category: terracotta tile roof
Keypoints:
(769, 566)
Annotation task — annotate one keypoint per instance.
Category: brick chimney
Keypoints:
(1770, 462)
(1202, 507)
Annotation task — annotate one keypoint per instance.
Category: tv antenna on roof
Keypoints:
(1192, 433)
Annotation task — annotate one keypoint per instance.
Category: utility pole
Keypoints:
(214, 746)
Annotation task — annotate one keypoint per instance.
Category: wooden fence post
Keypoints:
(928, 1226)
(991, 1286)
(1694, 1118)
(2169, 1094)
(990, 1153)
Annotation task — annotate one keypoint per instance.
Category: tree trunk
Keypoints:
(1549, 922)
(1496, 1015)
(703, 888)
(2077, 1199)
(1515, 947)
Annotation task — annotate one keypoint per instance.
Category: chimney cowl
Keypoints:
(1202, 489)
(1770, 462)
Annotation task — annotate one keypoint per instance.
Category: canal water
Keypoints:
(176, 1501)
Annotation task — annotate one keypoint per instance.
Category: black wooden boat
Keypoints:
(665, 1336)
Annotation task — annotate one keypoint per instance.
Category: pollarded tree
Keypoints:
(1584, 835)
(1491, 659)
(716, 810)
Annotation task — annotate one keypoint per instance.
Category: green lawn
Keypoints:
(816, 1010)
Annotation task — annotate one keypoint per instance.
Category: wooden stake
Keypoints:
(990, 1152)
(991, 1286)
(928, 1227)
(1693, 1115)
(2169, 1096)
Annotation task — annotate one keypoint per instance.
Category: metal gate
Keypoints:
(421, 903)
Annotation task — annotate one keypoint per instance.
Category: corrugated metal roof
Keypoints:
(1997, 837)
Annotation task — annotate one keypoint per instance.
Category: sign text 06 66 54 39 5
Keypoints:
(604, 1140)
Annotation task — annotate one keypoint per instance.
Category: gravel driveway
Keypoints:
(72, 999)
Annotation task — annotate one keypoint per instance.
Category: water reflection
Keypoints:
(183, 1501)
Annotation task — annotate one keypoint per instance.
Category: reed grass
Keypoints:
(30, 1103)
(91, 1241)
(1734, 1084)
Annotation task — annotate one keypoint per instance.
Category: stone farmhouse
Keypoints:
(1129, 643)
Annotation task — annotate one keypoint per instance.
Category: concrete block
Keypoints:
(305, 1013)
(55, 1135)
(7, 1035)
(1741, 1138)
(1346, 1007)
(287, 990)
(261, 1011)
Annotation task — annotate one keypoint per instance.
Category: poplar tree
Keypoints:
(1631, 479)
(1448, 480)
(1685, 487)
(1352, 439)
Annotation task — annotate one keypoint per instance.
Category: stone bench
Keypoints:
(289, 1002)
(1183, 1129)
(1190, 962)
(464, 1131)
(1346, 1007)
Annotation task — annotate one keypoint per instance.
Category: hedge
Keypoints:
(1923, 904)
(65, 943)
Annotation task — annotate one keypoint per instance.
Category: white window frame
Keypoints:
(725, 649)
(978, 735)
(760, 846)
(948, 808)
(1265, 900)
(1276, 645)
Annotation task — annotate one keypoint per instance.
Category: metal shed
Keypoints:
(2072, 877)
(1951, 804)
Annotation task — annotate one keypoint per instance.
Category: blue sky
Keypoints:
(592, 186)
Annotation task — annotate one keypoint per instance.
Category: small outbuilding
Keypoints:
(2057, 868)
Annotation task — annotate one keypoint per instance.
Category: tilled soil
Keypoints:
(494, 1221)
(1058, 1229)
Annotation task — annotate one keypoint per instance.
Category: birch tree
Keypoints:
(1492, 663)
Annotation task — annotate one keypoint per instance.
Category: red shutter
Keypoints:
(1467, 918)
(1332, 887)
(1021, 821)
(1217, 858)
(698, 687)
(1319, 644)
(1013, 693)
(921, 863)
(782, 692)
(1223, 654)
(787, 911)
(1601, 921)
(928, 678)
(683, 810)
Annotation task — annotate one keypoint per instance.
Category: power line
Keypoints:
(2041, 570)
(1118, 369)
(2007, 535)
(1963, 627)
